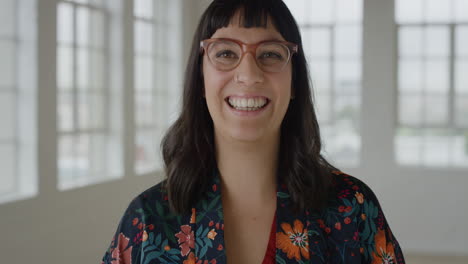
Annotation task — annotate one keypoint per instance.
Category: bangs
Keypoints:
(250, 14)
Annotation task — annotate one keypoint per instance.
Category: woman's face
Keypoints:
(247, 81)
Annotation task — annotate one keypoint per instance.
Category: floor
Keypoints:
(421, 259)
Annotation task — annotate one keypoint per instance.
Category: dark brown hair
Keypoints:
(188, 146)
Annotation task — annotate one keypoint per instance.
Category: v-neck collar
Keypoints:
(295, 236)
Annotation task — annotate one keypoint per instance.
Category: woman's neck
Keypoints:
(248, 171)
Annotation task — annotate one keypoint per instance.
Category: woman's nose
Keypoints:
(248, 72)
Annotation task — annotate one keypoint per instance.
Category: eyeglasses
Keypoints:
(225, 54)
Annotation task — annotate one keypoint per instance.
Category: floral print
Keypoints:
(352, 229)
(293, 241)
(186, 239)
(122, 252)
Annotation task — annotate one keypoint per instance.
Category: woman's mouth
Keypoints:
(251, 104)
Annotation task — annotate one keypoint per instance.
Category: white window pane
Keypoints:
(143, 8)
(410, 40)
(83, 68)
(320, 74)
(323, 107)
(347, 108)
(348, 41)
(173, 11)
(410, 110)
(97, 106)
(146, 151)
(461, 111)
(460, 7)
(98, 70)
(316, 42)
(161, 11)
(83, 27)
(161, 73)
(437, 41)
(7, 116)
(161, 110)
(437, 76)
(410, 75)
(8, 162)
(438, 11)
(7, 18)
(97, 2)
(408, 11)
(64, 67)
(461, 40)
(344, 146)
(97, 154)
(320, 11)
(436, 109)
(144, 106)
(66, 163)
(348, 10)
(91, 110)
(461, 77)
(98, 31)
(65, 111)
(143, 73)
(347, 77)
(65, 23)
(408, 147)
(437, 150)
(82, 155)
(83, 111)
(7, 64)
(298, 10)
(143, 37)
(162, 46)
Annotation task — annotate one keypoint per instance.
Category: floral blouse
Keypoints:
(351, 230)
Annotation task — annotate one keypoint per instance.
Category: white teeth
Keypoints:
(243, 102)
(251, 102)
(247, 104)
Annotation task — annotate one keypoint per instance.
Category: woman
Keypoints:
(245, 179)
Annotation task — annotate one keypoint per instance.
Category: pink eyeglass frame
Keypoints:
(249, 48)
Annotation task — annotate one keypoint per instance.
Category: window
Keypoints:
(432, 83)
(18, 130)
(88, 92)
(331, 35)
(157, 56)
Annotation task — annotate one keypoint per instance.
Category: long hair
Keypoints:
(188, 146)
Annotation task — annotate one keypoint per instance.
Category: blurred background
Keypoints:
(88, 87)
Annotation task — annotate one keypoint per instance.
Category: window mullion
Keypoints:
(451, 96)
(333, 64)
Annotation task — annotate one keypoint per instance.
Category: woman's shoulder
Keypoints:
(146, 218)
(346, 186)
(354, 214)
(156, 192)
(151, 202)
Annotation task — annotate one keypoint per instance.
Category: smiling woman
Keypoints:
(245, 180)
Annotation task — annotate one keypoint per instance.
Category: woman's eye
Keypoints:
(225, 54)
(271, 55)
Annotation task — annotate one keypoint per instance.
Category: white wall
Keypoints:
(427, 210)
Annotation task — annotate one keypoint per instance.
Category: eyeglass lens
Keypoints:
(270, 56)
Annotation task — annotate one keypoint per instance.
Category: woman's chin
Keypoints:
(247, 135)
